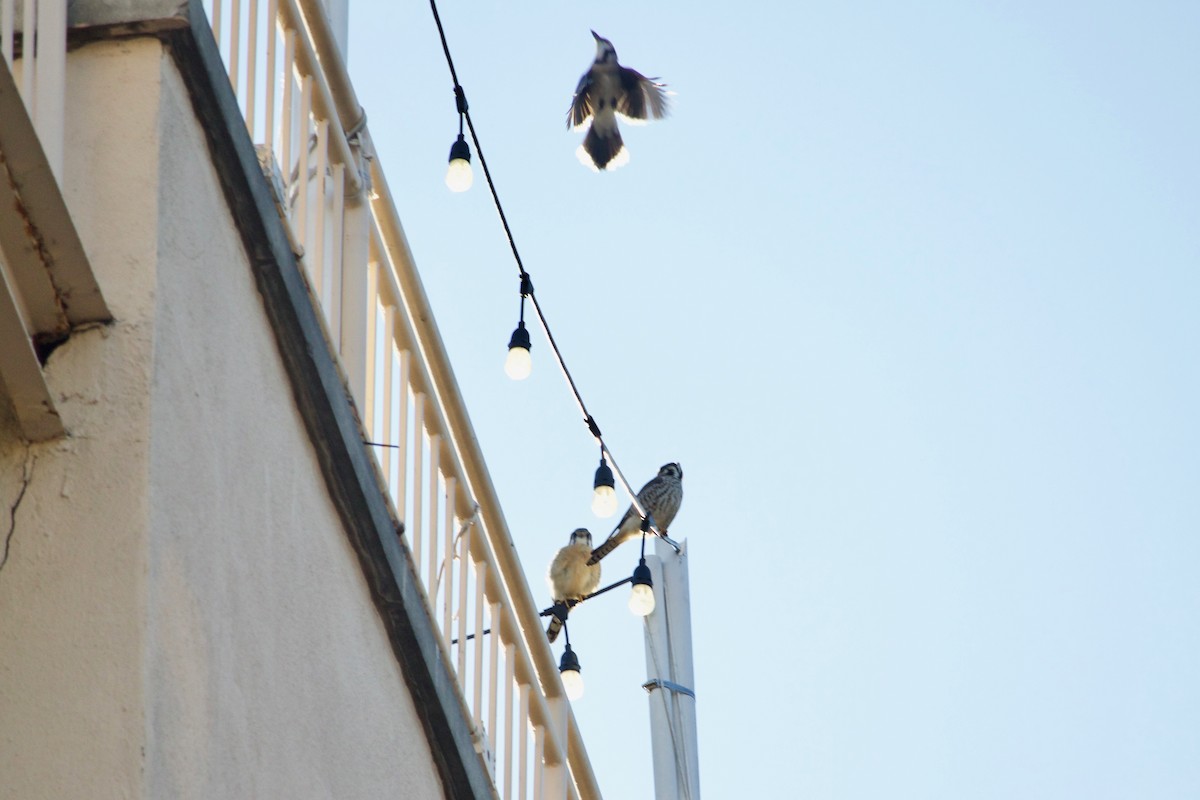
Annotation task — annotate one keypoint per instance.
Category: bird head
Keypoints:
(672, 470)
(581, 536)
(604, 49)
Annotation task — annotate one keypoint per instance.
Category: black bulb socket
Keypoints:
(641, 575)
(604, 476)
(520, 338)
(569, 661)
(460, 149)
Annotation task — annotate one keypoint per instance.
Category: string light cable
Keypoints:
(527, 286)
(569, 666)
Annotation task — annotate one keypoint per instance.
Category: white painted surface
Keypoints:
(180, 613)
(668, 636)
(72, 593)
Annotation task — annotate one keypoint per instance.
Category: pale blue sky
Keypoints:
(911, 291)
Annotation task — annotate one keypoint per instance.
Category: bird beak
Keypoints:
(596, 36)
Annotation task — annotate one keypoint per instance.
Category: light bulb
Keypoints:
(604, 501)
(641, 600)
(573, 683)
(459, 176)
(518, 364)
(568, 670)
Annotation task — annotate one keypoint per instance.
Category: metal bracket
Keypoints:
(659, 683)
(674, 544)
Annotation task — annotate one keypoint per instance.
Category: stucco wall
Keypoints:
(181, 614)
(73, 591)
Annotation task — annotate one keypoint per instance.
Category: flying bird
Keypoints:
(660, 497)
(608, 90)
(570, 576)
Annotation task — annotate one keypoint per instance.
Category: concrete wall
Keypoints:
(73, 589)
(180, 612)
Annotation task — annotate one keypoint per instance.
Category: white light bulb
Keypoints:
(518, 364)
(573, 683)
(459, 176)
(641, 600)
(604, 501)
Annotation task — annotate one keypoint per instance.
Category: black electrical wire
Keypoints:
(526, 282)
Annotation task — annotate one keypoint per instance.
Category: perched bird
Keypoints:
(570, 576)
(660, 497)
(608, 90)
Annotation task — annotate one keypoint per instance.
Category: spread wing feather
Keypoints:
(643, 98)
(581, 105)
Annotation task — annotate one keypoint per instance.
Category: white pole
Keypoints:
(670, 676)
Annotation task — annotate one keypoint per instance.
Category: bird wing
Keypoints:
(641, 98)
(662, 497)
(558, 576)
(581, 105)
(570, 576)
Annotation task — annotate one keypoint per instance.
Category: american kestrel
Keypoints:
(608, 90)
(660, 497)
(570, 576)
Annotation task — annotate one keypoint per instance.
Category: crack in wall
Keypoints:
(37, 241)
(26, 478)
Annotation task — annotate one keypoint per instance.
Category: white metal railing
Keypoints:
(298, 102)
(33, 44)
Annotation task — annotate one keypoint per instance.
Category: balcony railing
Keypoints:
(299, 104)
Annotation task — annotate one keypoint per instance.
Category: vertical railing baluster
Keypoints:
(556, 776)
(272, 25)
(389, 350)
(51, 77)
(7, 13)
(418, 427)
(29, 24)
(448, 537)
(317, 265)
(300, 220)
(235, 41)
(464, 568)
(251, 65)
(401, 491)
(539, 759)
(510, 679)
(372, 346)
(431, 581)
(287, 115)
(480, 583)
(335, 266)
(493, 677)
(523, 743)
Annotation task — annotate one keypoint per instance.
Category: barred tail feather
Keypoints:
(602, 150)
(600, 552)
(553, 628)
